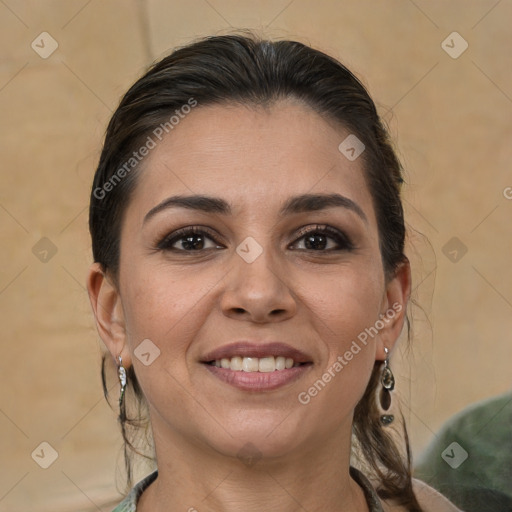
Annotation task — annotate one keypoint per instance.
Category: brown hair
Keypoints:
(240, 68)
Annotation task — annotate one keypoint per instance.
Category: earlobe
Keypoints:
(393, 314)
(108, 312)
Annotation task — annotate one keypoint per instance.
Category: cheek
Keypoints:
(160, 306)
(345, 303)
(168, 306)
(167, 310)
(343, 309)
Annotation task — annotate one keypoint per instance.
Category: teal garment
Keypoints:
(470, 460)
(129, 504)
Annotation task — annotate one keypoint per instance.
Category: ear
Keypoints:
(394, 309)
(108, 312)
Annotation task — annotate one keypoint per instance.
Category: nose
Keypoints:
(258, 291)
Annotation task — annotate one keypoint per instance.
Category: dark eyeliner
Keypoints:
(169, 240)
(339, 237)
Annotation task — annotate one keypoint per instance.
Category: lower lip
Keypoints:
(258, 381)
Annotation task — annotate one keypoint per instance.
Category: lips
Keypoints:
(256, 350)
(257, 367)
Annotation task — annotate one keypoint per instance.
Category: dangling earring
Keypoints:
(121, 373)
(388, 384)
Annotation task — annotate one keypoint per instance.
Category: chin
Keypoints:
(260, 436)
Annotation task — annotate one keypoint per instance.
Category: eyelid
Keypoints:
(340, 236)
(168, 240)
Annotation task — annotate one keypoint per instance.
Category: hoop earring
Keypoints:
(121, 373)
(387, 380)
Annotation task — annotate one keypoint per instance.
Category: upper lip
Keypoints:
(256, 349)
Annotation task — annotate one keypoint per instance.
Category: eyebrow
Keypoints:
(298, 204)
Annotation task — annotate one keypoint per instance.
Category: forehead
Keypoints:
(251, 156)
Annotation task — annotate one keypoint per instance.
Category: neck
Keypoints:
(193, 478)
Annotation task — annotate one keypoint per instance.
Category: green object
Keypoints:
(470, 459)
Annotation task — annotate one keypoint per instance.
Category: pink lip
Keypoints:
(252, 349)
(256, 381)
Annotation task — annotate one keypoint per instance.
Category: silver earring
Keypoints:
(387, 380)
(121, 373)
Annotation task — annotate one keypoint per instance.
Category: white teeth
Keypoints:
(280, 363)
(267, 364)
(255, 364)
(236, 364)
(250, 364)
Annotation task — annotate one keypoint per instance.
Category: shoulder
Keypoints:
(431, 500)
(428, 498)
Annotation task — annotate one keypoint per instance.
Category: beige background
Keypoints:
(451, 119)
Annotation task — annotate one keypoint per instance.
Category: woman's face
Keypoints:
(249, 239)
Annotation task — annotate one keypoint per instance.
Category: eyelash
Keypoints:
(341, 239)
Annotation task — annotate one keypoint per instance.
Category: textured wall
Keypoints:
(450, 117)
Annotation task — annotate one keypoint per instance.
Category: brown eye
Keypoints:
(323, 238)
(189, 240)
(316, 241)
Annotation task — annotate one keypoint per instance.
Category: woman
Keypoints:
(250, 282)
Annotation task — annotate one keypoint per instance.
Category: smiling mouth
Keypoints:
(265, 364)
